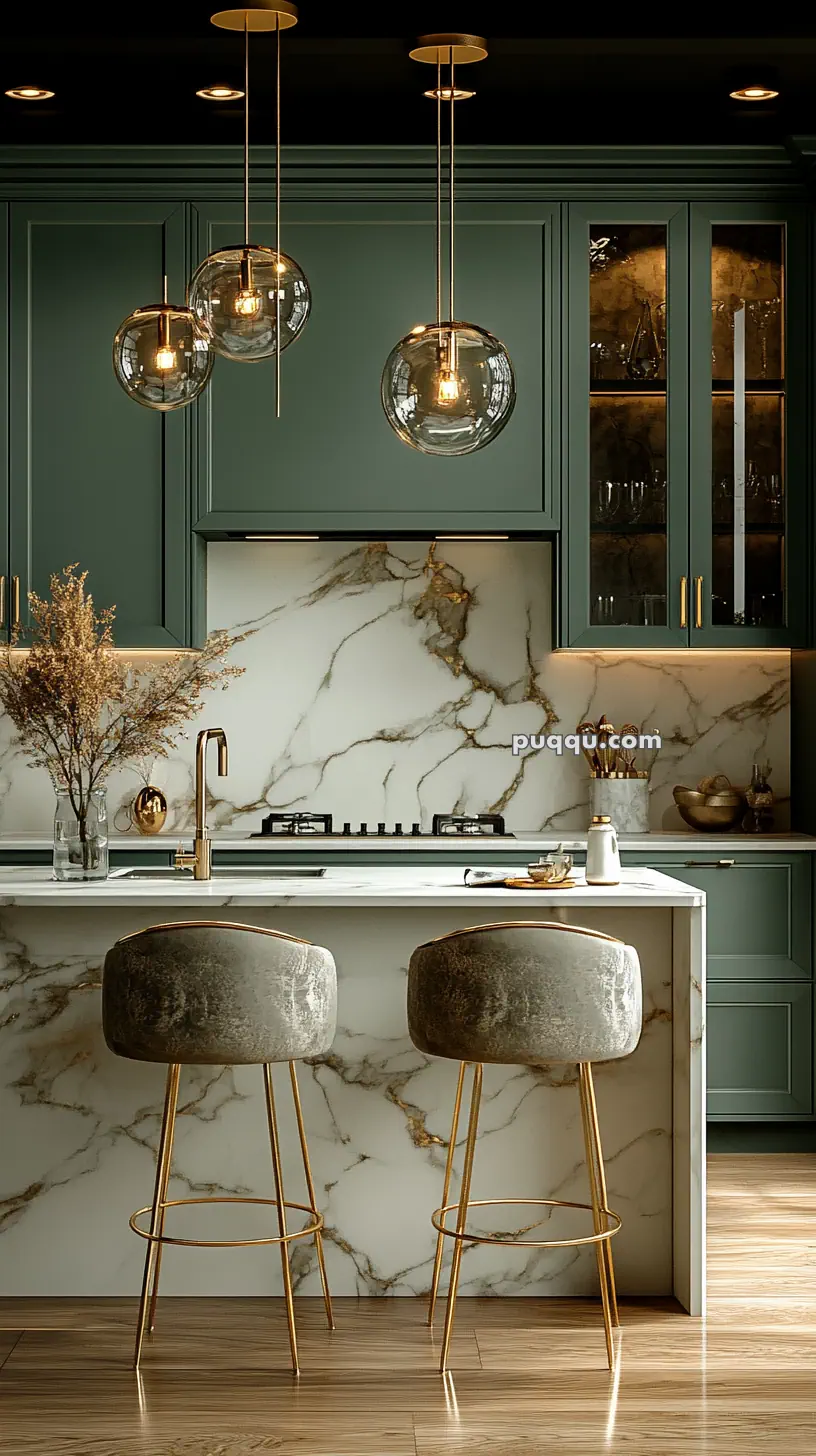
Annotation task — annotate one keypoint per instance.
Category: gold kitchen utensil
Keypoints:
(626, 756)
(149, 810)
(589, 753)
(607, 754)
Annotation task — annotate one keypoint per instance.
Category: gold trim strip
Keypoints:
(215, 925)
(528, 924)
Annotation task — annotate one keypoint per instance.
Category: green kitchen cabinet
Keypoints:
(331, 462)
(760, 1050)
(686, 484)
(95, 478)
(759, 966)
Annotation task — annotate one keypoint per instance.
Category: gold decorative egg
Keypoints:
(149, 810)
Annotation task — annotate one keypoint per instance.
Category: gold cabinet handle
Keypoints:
(15, 600)
(698, 601)
(683, 601)
(2, 601)
(706, 864)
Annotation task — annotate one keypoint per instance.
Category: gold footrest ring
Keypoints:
(438, 1221)
(306, 1233)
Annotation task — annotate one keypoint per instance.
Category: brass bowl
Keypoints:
(709, 812)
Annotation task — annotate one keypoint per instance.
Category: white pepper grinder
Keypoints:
(603, 858)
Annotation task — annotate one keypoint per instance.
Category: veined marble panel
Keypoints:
(79, 1126)
(385, 682)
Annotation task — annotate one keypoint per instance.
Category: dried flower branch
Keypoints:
(80, 710)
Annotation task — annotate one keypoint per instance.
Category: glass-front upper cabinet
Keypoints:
(748, 307)
(626, 442)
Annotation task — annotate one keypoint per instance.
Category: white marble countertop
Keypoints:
(532, 843)
(384, 886)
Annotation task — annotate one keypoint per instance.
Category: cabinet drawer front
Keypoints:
(757, 914)
(760, 1050)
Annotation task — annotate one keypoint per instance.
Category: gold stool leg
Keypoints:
(163, 1160)
(279, 1196)
(597, 1216)
(461, 1217)
(601, 1177)
(440, 1238)
(307, 1169)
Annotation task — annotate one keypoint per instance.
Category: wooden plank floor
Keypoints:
(529, 1375)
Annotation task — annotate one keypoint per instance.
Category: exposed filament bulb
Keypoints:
(448, 388)
(165, 358)
(248, 300)
(247, 303)
(165, 355)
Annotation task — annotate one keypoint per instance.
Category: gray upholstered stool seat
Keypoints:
(203, 993)
(526, 993)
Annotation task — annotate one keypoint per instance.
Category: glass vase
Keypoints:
(81, 840)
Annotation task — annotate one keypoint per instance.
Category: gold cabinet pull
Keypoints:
(2, 601)
(683, 601)
(698, 601)
(15, 601)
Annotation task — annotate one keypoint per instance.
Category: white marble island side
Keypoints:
(79, 1126)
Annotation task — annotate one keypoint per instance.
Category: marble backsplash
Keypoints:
(384, 682)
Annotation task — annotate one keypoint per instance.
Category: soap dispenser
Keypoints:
(603, 858)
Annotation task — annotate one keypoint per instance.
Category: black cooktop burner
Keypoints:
(302, 825)
(468, 824)
(293, 824)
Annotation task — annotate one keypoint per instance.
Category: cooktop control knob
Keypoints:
(398, 829)
(415, 829)
(347, 828)
(364, 828)
(381, 828)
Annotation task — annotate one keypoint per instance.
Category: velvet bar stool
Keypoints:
(525, 993)
(205, 992)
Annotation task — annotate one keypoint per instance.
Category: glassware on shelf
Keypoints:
(644, 358)
(634, 499)
(651, 609)
(764, 314)
(723, 503)
(656, 510)
(603, 611)
(607, 500)
(776, 499)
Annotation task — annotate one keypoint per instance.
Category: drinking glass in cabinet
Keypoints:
(748, 412)
(629, 334)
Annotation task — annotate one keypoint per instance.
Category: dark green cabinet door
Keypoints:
(96, 478)
(750, 400)
(332, 462)
(760, 1050)
(758, 913)
(626, 478)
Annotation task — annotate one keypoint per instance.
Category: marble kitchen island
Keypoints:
(78, 1126)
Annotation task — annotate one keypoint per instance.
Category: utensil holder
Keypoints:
(626, 801)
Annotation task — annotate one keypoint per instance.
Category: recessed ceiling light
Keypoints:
(754, 93)
(29, 93)
(220, 93)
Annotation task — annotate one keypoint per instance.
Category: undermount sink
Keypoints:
(221, 872)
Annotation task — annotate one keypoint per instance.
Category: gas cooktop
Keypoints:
(316, 826)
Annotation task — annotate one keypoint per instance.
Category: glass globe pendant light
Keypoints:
(159, 356)
(252, 301)
(448, 387)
